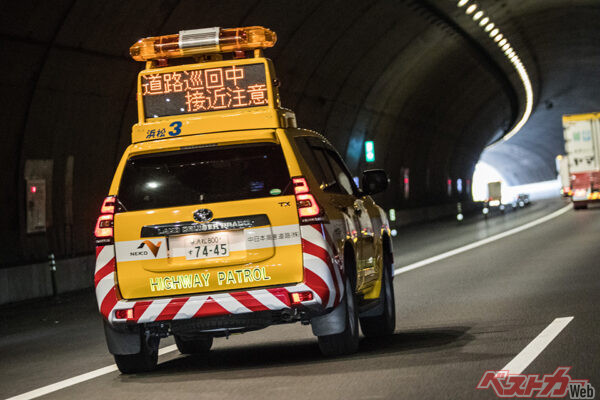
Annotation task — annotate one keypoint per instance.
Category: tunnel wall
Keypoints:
(387, 71)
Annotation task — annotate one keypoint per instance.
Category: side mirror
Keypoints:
(374, 181)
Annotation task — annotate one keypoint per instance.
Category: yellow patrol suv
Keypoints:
(224, 217)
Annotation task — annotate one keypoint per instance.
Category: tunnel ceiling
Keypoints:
(417, 77)
(559, 42)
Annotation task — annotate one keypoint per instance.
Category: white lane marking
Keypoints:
(482, 242)
(168, 349)
(106, 370)
(78, 379)
(536, 346)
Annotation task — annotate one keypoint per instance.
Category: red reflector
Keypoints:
(108, 206)
(299, 297)
(104, 226)
(124, 314)
(33, 189)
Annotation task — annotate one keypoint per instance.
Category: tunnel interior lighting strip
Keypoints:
(502, 42)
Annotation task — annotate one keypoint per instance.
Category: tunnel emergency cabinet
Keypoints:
(582, 145)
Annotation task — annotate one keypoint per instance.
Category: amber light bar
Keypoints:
(202, 41)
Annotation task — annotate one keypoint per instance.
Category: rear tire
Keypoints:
(193, 346)
(577, 205)
(144, 361)
(345, 342)
(384, 324)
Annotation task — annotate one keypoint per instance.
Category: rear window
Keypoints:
(208, 175)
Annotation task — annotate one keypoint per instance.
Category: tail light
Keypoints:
(104, 224)
(108, 205)
(299, 297)
(124, 314)
(308, 208)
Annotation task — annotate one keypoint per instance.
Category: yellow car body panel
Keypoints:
(169, 272)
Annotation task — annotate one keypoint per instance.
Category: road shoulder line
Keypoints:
(481, 242)
(78, 379)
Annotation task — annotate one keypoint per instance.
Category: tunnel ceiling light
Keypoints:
(511, 55)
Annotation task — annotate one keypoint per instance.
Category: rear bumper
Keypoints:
(181, 308)
(323, 277)
(593, 198)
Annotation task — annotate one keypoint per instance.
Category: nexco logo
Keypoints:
(151, 246)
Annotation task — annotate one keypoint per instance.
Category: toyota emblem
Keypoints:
(203, 215)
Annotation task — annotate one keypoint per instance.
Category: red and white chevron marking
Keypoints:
(322, 271)
(104, 279)
(322, 276)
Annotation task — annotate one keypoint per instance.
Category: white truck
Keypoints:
(562, 165)
(495, 194)
(582, 144)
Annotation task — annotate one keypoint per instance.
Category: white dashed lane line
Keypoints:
(536, 346)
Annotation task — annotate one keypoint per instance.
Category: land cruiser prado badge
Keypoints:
(203, 215)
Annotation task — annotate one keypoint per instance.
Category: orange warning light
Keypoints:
(202, 41)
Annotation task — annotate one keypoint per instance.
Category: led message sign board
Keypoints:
(204, 90)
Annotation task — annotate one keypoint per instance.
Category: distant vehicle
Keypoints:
(523, 200)
(495, 194)
(562, 164)
(582, 143)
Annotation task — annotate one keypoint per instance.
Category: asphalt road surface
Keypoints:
(457, 317)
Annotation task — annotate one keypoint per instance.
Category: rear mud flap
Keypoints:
(331, 323)
(121, 341)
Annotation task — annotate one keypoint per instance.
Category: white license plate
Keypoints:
(206, 246)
